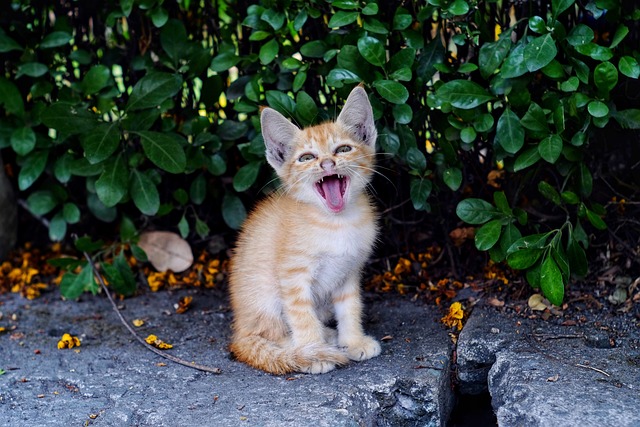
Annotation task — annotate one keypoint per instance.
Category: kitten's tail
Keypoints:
(264, 354)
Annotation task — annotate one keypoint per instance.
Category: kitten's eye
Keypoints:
(306, 157)
(343, 149)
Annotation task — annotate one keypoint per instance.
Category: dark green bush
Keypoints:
(144, 111)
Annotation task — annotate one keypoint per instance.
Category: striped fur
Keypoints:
(298, 259)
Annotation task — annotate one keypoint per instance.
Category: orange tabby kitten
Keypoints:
(299, 257)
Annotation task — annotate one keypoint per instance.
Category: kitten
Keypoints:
(299, 257)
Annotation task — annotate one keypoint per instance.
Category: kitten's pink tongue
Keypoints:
(333, 194)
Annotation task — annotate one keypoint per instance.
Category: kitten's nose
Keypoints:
(327, 164)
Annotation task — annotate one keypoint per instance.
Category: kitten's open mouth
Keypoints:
(332, 189)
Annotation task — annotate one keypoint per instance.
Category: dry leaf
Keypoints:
(462, 234)
(495, 302)
(137, 322)
(553, 379)
(183, 304)
(538, 303)
(166, 251)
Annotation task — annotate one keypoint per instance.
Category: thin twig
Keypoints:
(595, 369)
(556, 337)
(138, 337)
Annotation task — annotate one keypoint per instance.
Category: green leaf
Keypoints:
(280, 102)
(533, 241)
(370, 9)
(550, 148)
(342, 18)
(596, 220)
(621, 32)
(538, 25)
(11, 98)
(420, 189)
(101, 142)
(7, 44)
(628, 66)
(144, 193)
(164, 150)
(159, 16)
(523, 258)
(628, 119)
(339, 76)
(99, 210)
(231, 130)
(69, 119)
(538, 53)
(463, 94)
(23, 140)
(585, 180)
(86, 244)
(509, 132)
(559, 6)
(111, 187)
(41, 202)
(514, 65)
(492, 54)
(571, 85)
(71, 213)
(96, 79)
(269, 51)
(314, 49)
(202, 229)
(57, 227)
(402, 19)
(402, 113)
(453, 178)
(233, 211)
(153, 89)
(403, 74)
(32, 69)
(458, 7)
(605, 76)
(198, 189)
(476, 211)
(416, 159)
(224, 61)
(73, 285)
(487, 235)
(598, 109)
(372, 50)
(274, 18)
(246, 176)
(577, 258)
(468, 135)
(55, 39)
(580, 35)
(127, 284)
(32, 168)
(183, 227)
(551, 281)
(535, 119)
(306, 109)
(549, 192)
(393, 92)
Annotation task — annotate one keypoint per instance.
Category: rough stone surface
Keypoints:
(112, 380)
(8, 215)
(542, 374)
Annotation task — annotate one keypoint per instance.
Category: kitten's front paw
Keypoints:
(318, 368)
(363, 349)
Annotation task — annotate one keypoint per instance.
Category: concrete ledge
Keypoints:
(113, 380)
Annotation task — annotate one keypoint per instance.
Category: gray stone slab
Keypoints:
(113, 379)
(542, 374)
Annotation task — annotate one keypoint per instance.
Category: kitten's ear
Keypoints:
(357, 117)
(278, 134)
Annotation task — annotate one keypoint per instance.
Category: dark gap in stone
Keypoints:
(472, 410)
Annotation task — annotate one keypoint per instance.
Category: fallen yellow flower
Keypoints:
(454, 317)
(68, 341)
(154, 341)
